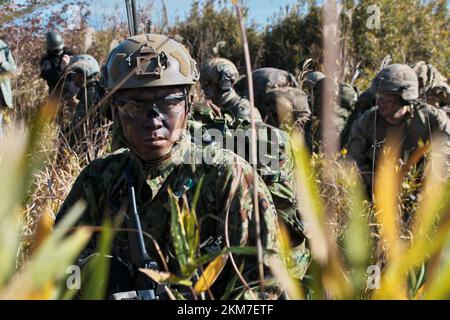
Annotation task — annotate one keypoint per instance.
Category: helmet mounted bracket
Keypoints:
(148, 61)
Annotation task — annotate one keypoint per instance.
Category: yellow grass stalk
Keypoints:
(253, 150)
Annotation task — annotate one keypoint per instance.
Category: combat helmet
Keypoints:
(347, 95)
(313, 77)
(432, 84)
(265, 79)
(149, 60)
(397, 79)
(221, 71)
(54, 41)
(282, 107)
(85, 64)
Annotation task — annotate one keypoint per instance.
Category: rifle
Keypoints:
(133, 25)
(144, 287)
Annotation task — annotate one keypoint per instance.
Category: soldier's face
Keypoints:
(390, 107)
(76, 79)
(56, 52)
(152, 135)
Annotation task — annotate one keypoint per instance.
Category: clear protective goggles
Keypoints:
(166, 108)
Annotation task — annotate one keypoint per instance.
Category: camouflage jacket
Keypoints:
(414, 129)
(285, 108)
(226, 192)
(313, 127)
(239, 107)
(88, 97)
(265, 79)
(274, 157)
(365, 101)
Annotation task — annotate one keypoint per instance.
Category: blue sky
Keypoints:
(259, 10)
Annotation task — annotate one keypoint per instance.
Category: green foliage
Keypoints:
(410, 31)
(212, 29)
(294, 36)
(185, 238)
(98, 267)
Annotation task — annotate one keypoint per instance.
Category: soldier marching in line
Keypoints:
(398, 111)
(54, 63)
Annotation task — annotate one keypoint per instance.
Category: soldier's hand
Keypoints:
(65, 61)
(214, 108)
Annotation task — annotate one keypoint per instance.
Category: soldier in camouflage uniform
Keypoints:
(348, 97)
(54, 63)
(285, 108)
(433, 86)
(433, 89)
(344, 107)
(398, 111)
(217, 77)
(265, 79)
(83, 77)
(153, 106)
(310, 82)
(274, 155)
(364, 102)
(277, 97)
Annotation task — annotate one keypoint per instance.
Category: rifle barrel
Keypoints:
(135, 18)
(137, 223)
(130, 16)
